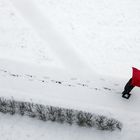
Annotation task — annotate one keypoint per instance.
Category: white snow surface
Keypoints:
(73, 54)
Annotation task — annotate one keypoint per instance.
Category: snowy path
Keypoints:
(63, 89)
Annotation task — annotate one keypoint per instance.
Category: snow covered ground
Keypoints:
(73, 54)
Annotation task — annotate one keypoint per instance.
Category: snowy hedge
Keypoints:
(57, 114)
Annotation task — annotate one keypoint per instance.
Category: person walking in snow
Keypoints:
(134, 81)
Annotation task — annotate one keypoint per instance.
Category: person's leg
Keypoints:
(127, 89)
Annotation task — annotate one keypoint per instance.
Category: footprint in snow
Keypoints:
(107, 88)
(14, 75)
(84, 85)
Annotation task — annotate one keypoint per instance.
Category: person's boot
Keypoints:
(126, 95)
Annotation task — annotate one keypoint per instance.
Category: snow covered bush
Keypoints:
(4, 106)
(69, 116)
(84, 119)
(40, 111)
(57, 114)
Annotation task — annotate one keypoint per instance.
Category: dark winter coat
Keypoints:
(135, 77)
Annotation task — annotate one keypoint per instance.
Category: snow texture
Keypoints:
(72, 55)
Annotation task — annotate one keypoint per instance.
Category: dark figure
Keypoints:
(128, 87)
(134, 81)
